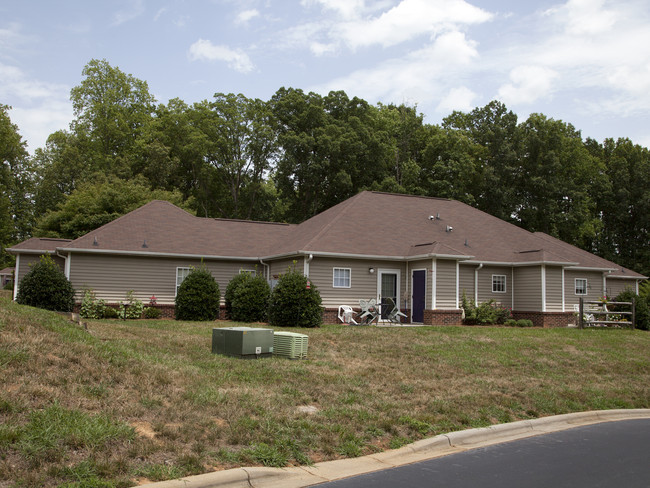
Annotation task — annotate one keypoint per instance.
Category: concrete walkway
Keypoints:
(441, 445)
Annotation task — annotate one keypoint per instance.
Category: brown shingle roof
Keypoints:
(162, 228)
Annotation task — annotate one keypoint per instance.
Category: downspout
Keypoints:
(16, 276)
(267, 271)
(476, 283)
(543, 288)
(408, 280)
(67, 265)
(306, 265)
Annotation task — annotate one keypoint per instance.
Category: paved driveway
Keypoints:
(612, 454)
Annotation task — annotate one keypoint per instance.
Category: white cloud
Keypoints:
(408, 20)
(204, 50)
(245, 16)
(460, 98)
(422, 75)
(528, 84)
(43, 107)
(347, 9)
(585, 16)
(133, 11)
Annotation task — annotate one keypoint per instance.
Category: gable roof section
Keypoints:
(161, 228)
(585, 258)
(406, 226)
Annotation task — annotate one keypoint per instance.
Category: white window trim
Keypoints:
(586, 288)
(349, 270)
(251, 272)
(177, 284)
(505, 283)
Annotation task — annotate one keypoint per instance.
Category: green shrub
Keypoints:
(134, 306)
(230, 291)
(642, 308)
(91, 308)
(152, 313)
(295, 302)
(8, 286)
(110, 313)
(511, 323)
(250, 301)
(198, 296)
(45, 286)
(485, 313)
(524, 323)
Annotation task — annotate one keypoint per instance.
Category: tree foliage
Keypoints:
(295, 302)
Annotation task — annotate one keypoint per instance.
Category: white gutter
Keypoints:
(159, 254)
(476, 283)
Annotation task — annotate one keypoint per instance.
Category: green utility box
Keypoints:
(243, 342)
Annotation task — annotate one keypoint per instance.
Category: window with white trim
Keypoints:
(342, 277)
(251, 272)
(498, 283)
(581, 286)
(181, 274)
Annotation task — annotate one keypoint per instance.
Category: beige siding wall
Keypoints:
(425, 264)
(364, 285)
(282, 265)
(528, 289)
(594, 286)
(616, 286)
(553, 289)
(485, 285)
(26, 260)
(112, 276)
(445, 284)
(467, 280)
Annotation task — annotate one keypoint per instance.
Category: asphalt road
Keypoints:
(612, 454)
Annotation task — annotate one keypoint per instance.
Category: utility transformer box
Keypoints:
(243, 342)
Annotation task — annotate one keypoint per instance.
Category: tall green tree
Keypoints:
(111, 109)
(16, 186)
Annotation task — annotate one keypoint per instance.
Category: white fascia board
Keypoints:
(529, 263)
(368, 256)
(619, 277)
(156, 254)
(587, 268)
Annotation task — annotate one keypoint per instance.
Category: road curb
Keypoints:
(440, 445)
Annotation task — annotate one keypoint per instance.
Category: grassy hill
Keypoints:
(122, 402)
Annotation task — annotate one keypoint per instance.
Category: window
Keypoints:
(581, 286)
(181, 274)
(498, 283)
(251, 272)
(342, 277)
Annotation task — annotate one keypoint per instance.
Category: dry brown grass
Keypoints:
(159, 405)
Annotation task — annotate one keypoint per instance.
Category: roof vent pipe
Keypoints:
(449, 228)
(95, 243)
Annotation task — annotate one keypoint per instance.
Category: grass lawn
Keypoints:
(131, 401)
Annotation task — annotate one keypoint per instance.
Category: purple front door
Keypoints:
(418, 302)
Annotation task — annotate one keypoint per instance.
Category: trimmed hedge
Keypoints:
(230, 291)
(45, 286)
(295, 302)
(250, 299)
(198, 296)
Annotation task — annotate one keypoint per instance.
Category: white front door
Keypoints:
(387, 288)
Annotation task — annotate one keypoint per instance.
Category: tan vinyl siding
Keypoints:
(26, 260)
(112, 276)
(281, 266)
(426, 265)
(363, 284)
(485, 285)
(528, 289)
(616, 286)
(553, 289)
(467, 280)
(445, 284)
(594, 286)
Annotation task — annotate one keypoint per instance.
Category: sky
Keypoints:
(585, 62)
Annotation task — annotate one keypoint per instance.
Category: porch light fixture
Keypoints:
(371, 270)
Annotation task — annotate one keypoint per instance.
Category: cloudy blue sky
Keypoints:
(586, 62)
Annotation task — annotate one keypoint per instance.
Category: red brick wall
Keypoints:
(546, 319)
(443, 317)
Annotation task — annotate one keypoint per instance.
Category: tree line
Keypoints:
(297, 154)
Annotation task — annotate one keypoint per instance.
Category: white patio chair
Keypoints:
(345, 314)
(369, 311)
(393, 316)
